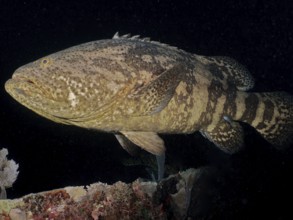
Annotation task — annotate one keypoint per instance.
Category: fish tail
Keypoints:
(271, 114)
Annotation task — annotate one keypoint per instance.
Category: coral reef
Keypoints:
(168, 199)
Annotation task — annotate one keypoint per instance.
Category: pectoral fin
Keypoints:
(155, 96)
(148, 141)
(227, 135)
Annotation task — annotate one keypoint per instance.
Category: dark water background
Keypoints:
(256, 182)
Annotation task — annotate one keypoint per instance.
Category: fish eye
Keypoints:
(45, 62)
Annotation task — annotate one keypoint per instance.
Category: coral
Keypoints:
(8, 172)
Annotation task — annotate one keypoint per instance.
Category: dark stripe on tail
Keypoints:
(230, 106)
(268, 114)
(276, 124)
(251, 105)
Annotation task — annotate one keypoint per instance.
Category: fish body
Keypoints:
(137, 88)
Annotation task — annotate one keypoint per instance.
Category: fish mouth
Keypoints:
(30, 94)
(21, 86)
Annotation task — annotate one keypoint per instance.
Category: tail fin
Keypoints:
(275, 121)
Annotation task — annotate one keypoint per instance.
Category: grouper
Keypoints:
(136, 89)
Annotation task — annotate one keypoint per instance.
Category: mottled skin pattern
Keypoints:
(129, 84)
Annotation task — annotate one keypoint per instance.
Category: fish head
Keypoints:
(57, 88)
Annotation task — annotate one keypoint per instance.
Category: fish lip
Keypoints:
(22, 79)
(31, 81)
(26, 87)
(12, 83)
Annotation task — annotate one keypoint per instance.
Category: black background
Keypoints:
(259, 34)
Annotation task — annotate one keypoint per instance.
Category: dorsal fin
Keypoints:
(233, 71)
(143, 39)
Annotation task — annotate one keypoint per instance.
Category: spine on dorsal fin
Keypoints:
(143, 39)
(128, 36)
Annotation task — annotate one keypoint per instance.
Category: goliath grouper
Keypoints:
(137, 89)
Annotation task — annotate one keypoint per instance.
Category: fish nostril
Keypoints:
(31, 82)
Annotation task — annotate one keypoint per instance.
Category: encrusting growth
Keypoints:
(8, 172)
